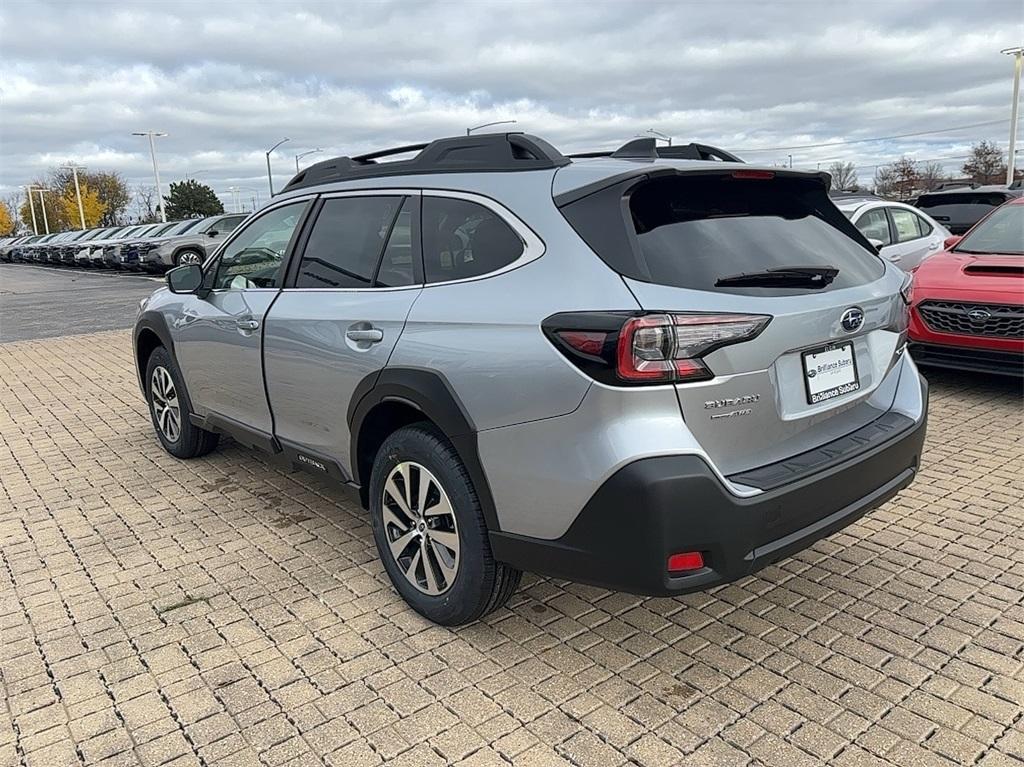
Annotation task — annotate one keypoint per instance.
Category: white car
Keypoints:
(903, 234)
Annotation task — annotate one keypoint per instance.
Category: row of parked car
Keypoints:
(143, 247)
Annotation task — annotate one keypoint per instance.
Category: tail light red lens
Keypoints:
(634, 349)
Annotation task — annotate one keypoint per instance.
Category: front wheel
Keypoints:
(430, 531)
(170, 411)
(188, 257)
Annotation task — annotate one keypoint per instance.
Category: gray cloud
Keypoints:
(227, 80)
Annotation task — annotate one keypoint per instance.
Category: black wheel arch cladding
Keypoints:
(430, 393)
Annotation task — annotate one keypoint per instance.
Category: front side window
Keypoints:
(875, 226)
(347, 240)
(906, 224)
(463, 239)
(253, 259)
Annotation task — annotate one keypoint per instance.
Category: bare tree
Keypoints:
(146, 204)
(844, 176)
(985, 164)
(932, 176)
(898, 180)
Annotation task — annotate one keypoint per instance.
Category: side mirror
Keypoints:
(877, 243)
(185, 279)
(950, 242)
(212, 233)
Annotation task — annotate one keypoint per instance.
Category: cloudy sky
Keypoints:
(226, 80)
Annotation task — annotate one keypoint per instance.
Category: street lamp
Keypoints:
(42, 202)
(78, 191)
(156, 171)
(1018, 55)
(32, 207)
(270, 177)
(304, 154)
(488, 125)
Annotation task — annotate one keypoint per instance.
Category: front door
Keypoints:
(218, 337)
(339, 316)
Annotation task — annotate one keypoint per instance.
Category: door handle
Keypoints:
(370, 335)
(249, 324)
(934, 246)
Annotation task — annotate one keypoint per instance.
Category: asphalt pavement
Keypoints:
(44, 302)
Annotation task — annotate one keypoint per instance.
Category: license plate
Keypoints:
(830, 372)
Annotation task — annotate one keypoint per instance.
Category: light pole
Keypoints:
(304, 154)
(1018, 55)
(488, 125)
(659, 135)
(78, 191)
(42, 202)
(790, 160)
(270, 176)
(156, 171)
(32, 207)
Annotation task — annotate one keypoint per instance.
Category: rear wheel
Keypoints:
(170, 411)
(430, 531)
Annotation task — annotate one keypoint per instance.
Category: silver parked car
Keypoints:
(656, 370)
(189, 243)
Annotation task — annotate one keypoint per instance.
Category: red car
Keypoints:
(967, 302)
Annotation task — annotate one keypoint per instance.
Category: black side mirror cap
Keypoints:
(185, 279)
(212, 233)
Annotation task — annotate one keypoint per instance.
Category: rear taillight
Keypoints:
(626, 348)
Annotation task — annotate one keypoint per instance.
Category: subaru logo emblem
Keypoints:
(852, 319)
(978, 316)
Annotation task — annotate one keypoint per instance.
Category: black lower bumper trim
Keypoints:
(655, 507)
(967, 358)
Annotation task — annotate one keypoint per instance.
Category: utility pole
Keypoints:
(78, 191)
(1018, 55)
(270, 176)
(156, 170)
(790, 160)
(32, 207)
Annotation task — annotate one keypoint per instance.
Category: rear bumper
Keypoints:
(658, 506)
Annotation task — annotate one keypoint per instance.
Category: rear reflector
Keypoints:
(763, 175)
(687, 560)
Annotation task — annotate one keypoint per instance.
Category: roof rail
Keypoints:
(647, 149)
(487, 152)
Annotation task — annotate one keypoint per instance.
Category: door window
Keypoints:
(906, 224)
(253, 259)
(875, 226)
(463, 239)
(350, 235)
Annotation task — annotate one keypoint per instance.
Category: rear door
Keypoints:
(346, 299)
(915, 238)
(816, 371)
(217, 337)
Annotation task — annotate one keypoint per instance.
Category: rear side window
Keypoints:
(463, 239)
(695, 230)
(907, 225)
(348, 238)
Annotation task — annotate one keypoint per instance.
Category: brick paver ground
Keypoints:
(227, 612)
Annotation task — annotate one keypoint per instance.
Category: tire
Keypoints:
(189, 256)
(186, 440)
(479, 585)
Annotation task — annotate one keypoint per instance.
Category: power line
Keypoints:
(877, 138)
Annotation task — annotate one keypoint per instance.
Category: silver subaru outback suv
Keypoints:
(655, 369)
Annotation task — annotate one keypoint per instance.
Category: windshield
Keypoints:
(1001, 234)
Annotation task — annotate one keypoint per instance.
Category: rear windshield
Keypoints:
(991, 199)
(1002, 233)
(694, 231)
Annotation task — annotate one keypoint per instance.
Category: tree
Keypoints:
(985, 164)
(56, 217)
(932, 175)
(191, 199)
(109, 187)
(899, 179)
(844, 176)
(145, 203)
(7, 224)
(93, 208)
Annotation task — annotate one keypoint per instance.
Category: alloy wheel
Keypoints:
(420, 528)
(189, 257)
(165, 403)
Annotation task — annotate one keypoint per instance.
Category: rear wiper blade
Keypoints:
(783, 276)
